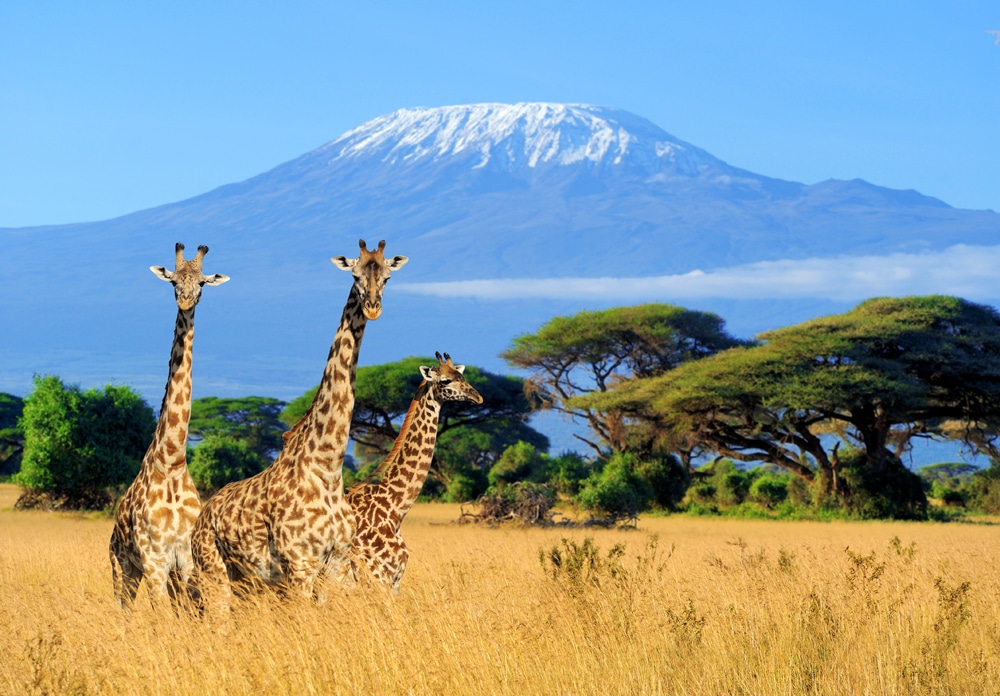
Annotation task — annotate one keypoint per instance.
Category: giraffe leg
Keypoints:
(210, 578)
(158, 585)
(402, 556)
(124, 574)
(182, 587)
(300, 579)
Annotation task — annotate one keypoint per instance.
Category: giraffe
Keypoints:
(152, 533)
(379, 508)
(283, 524)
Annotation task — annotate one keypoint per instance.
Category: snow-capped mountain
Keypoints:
(514, 136)
(474, 192)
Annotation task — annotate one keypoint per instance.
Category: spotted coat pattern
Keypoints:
(379, 508)
(282, 525)
(151, 538)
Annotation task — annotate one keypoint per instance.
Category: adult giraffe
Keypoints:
(282, 525)
(152, 534)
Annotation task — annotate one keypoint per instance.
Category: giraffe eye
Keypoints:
(445, 381)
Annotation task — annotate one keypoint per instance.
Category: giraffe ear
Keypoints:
(460, 368)
(344, 263)
(217, 279)
(397, 262)
(425, 372)
(162, 273)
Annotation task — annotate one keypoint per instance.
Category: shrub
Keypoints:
(616, 490)
(11, 434)
(893, 492)
(567, 473)
(733, 486)
(666, 478)
(946, 494)
(799, 492)
(769, 490)
(461, 489)
(519, 462)
(984, 490)
(702, 492)
(220, 459)
(78, 443)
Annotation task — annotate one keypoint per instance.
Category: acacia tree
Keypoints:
(873, 379)
(252, 419)
(594, 351)
(471, 437)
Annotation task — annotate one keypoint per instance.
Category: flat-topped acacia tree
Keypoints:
(591, 352)
(873, 378)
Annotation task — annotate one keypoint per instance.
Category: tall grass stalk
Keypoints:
(682, 606)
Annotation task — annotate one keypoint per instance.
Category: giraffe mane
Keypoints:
(398, 444)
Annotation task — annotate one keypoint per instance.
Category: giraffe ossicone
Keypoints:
(284, 524)
(151, 538)
(380, 505)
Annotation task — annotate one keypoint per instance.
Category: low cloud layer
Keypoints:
(972, 272)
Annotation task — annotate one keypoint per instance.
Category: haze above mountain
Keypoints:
(510, 214)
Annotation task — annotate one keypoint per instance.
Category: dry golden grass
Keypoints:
(718, 607)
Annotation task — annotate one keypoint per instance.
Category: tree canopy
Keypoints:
(221, 459)
(11, 433)
(77, 443)
(872, 379)
(594, 351)
(252, 419)
(471, 437)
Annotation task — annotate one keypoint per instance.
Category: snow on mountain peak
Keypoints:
(521, 135)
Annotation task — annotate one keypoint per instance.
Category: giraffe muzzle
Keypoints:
(373, 310)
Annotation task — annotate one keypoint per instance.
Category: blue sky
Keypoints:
(107, 108)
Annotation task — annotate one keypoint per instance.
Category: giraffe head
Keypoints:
(187, 277)
(447, 383)
(371, 272)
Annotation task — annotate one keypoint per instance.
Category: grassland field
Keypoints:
(680, 605)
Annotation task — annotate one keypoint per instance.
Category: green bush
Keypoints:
(462, 488)
(800, 494)
(221, 459)
(702, 492)
(567, 472)
(77, 443)
(519, 462)
(984, 490)
(733, 486)
(616, 490)
(769, 490)
(666, 478)
(11, 434)
(947, 495)
(894, 492)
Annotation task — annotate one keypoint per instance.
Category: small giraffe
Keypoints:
(152, 534)
(379, 508)
(282, 525)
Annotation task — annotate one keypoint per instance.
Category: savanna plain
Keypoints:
(679, 605)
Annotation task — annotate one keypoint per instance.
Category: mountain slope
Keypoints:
(467, 192)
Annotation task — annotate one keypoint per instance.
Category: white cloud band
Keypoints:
(972, 272)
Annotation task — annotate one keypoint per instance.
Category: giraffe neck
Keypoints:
(405, 469)
(322, 433)
(169, 446)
